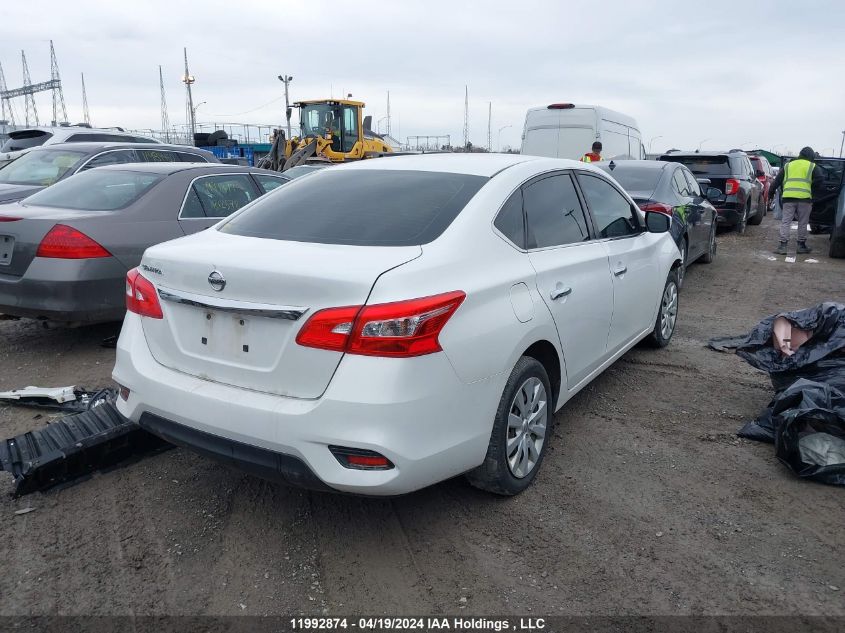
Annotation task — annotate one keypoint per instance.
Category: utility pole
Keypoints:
(86, 117)
(165, 118)
(29, 98)
(489, 120)
(8, 113)
(58, 95)
(841, 145)
(388, 112)
(188, 79)
(466, 117)
(286, 79)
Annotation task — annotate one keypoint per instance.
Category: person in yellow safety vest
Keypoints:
(594, 156)
(798, 179)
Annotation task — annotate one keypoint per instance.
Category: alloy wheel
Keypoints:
(668, 310)
(526, 427)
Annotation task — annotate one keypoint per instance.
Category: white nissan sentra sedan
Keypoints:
(381, 326)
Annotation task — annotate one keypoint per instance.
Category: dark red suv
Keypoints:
(765, 174)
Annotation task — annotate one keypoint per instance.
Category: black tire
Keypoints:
(495, 473)
(757, 218)
(742, 223)
(659, 336)
(681, 270)
(710, 255)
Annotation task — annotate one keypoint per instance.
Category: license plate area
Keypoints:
(225, 335)
(7, 247)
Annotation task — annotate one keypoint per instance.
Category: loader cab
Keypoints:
(339, 120)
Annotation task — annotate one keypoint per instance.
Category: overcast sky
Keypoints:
(740, 73)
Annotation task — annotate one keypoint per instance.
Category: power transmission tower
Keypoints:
(86, 117)
(466, 117)
(388, 112)
(165, 119)
(58, 95)
(29, 96)
(8, 113)
(489, 119)
(188, 80)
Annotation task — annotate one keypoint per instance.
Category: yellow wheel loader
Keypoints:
(331, 130)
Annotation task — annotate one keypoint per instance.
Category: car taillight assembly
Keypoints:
(141, 297)
(8, 218)
(401, 329)
(659, 207)
(560, 106)
(360, 459)
(731, 186)
(65, 242)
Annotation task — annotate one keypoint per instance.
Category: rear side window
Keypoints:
(219, 196)
(367, 207)
(680, 184)
(24, 140)
(110, 158)
(187, 157)
(98, 190)
(155, 156)
(613, 213)
(553, 213)
(694, 187)
(268, 183)
(510, 220)
(702, 165)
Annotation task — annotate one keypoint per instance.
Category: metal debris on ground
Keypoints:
(70, 399)
(72, 447)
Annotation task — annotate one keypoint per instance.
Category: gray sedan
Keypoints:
(65, 251)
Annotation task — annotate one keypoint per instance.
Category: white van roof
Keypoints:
(552, 114)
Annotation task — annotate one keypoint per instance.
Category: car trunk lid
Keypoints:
(244, 333)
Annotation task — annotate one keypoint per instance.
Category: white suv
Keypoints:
(381, 326)
(21, 141)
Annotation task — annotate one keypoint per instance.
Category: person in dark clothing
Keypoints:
(800, 179)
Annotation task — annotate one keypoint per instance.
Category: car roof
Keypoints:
(168, 168)
(704, 154)
(93, 146)
(459, 163)
(639, 164)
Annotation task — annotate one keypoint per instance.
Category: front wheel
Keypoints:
(742, 222)
(681, 270)
(710, 255)
(520, 434)
(667, 313)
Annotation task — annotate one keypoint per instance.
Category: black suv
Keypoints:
(740, 200)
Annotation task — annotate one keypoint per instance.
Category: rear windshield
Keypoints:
(359, 207)
(703, 165)
(40, 167)
(96, 190)
(635, 178)
(24, 140)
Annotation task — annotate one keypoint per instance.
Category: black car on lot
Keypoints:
(826, 195)
(672, 189)
(45, 166)
(741, 199)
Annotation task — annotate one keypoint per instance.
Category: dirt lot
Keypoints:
(647, 504)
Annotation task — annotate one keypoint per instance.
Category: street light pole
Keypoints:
(652, 141)
(500, 135)
(842, 144)
(286, 79)
(378, 123)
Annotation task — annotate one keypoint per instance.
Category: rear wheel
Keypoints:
(757, 218)
(667, 313)
(520, 430)
(710, 255)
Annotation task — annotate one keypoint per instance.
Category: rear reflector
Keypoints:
(141, 297)
(360, 459)
(65, 242)
(560, 106)
(659, 207)
(401, 329)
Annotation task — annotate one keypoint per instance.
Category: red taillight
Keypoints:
(65, 242)
(731, 186)
(8, 218)
(401, 329)
(659, 207)
(141, 297)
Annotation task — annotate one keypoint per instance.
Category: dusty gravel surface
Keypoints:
(647, 503)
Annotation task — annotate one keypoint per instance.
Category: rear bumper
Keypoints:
(416, 412)
(82, 290)
(728, 215)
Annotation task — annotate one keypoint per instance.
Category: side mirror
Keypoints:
(656, 222)
(713, 194)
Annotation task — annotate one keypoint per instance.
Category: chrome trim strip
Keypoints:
(246, 308)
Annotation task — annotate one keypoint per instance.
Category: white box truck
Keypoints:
(568, 130)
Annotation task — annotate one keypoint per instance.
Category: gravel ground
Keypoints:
(646, 504)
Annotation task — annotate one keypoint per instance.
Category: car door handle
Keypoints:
(620, 271)
(557, 293)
